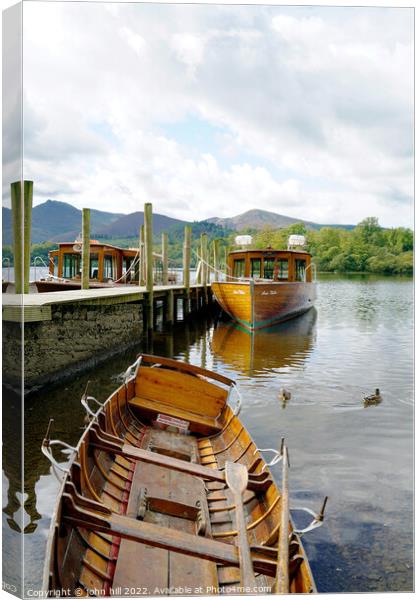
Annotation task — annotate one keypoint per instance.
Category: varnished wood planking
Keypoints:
(233, 443)
(188, 391)
(235, 299)
(256, 305)
(275, 302)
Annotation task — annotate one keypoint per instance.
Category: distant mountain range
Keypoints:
(257, 219)
(55, 221)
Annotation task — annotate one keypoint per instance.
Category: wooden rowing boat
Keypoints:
(266, 287)
(146, 505)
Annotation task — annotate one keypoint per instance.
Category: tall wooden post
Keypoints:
(199, 268)
(164, 258)
(169, 305)
(187, 257)
(22, 219)
(142, 257)
(186, 275)
(216, 259)
(137, 270)
(204, 258)
(85, 247)
(148, 240)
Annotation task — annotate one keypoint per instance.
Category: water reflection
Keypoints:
(256, 353)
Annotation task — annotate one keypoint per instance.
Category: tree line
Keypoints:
(368, 247)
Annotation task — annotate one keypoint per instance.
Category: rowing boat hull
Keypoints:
(144, 508)
(256, 305)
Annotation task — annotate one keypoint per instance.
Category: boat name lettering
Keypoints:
(269, 293)
(239, 292)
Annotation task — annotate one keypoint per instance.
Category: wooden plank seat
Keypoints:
(197, 423)
(161, 537)
(187, 395)
(257, 482)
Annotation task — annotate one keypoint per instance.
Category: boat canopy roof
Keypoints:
(63, 245)
(265, 251)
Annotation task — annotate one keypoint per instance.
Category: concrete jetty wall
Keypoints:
(76, 338)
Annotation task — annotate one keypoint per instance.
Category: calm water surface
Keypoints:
(359, 337)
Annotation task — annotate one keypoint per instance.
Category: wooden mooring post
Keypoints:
(142, 258)
(204, 259)
(164, 258)
(186, 266)
(22, 219)
(148, 239)
(216, 259)
(85, 247)
(169, 307)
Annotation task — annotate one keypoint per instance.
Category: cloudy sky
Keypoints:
(214, 110)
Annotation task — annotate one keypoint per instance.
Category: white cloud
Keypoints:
(134, 40)
(313, 109)
(189, 49)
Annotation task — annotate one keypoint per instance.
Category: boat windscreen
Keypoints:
(255, 267)
(300, 270)
(239, 267)
(268, 268)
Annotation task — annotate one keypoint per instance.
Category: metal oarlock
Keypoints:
(132, 369)
(238, 405)
(275, 459)
(84, 402)
(317, 520)
(46, 449)
(85, 399)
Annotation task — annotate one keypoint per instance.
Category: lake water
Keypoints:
(359, 337)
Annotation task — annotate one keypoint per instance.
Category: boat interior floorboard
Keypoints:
(172, 500)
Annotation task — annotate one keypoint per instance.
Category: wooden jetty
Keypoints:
(39, 307)
(70, 330)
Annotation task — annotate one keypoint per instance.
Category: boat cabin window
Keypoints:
(127, 262)
(268, 268)
(108, 267)
(94, 266)
(300, 270)
(282, 268)
(71, 265)
(255, 267)
(239, 267)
